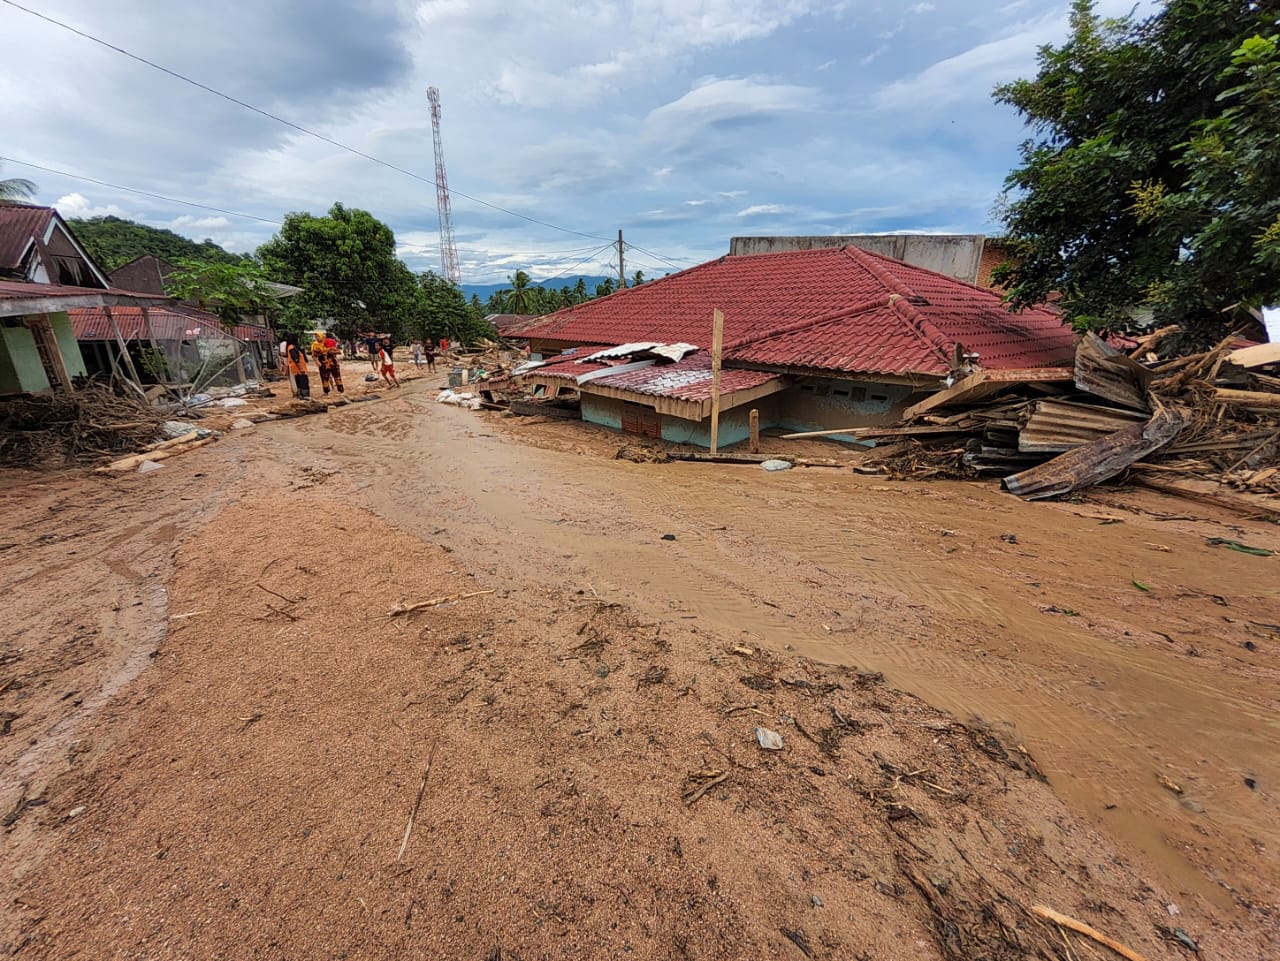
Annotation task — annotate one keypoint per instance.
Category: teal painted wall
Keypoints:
(822, 404)
(605, 411)
(66, 337)
(22, 370)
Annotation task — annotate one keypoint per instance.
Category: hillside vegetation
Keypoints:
(114, 241)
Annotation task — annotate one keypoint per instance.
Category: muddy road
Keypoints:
(1029, 617)
(217, 723)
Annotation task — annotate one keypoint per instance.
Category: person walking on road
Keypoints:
(429, 350)
(371, 345)
(416, 347)
(297, 360)
(387, 364)
(324, 351)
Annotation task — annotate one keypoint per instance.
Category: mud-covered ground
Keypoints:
(217, 734)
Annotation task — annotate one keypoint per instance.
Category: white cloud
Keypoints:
(714, 100)
(758, 210)
(922, 8)
(187, 223)
(874, 55)
(78, 205)
(970, 76)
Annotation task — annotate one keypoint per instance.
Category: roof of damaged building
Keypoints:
(166, 323)
(838, 309)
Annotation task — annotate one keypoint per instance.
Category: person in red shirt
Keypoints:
(388, 367)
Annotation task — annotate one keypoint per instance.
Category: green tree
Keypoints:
(638, 279)
(580, 295)
(444, 312)
(1151, 177)
(113, 241)
(229, 290)
(606, 288)
(346, 264)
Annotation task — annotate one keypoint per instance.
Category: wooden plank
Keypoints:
(867, 433)
(717, 350)
(1246, 398)
(746, 458)
(1236, 505)
(1257, 356)
(753, 427)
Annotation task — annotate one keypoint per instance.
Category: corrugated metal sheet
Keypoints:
(91, 323)
(1099, 460)
(19, 223)
(1103, 371)
(1057, 425)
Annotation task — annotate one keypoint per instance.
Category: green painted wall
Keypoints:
(21, 369)
(67, 343)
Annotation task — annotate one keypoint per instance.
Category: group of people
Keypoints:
(327, 354)
(328, 358)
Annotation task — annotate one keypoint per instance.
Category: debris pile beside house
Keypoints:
(1212, 416)
(55, 429)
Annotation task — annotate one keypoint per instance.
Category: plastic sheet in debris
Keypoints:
(776, 465)
(458, 400)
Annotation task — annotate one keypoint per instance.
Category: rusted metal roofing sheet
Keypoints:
(1058, 425)
(1103, 371)
(1098, 460)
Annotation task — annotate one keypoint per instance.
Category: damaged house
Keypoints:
(813, 340)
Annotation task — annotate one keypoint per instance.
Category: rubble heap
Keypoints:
(1212, 416)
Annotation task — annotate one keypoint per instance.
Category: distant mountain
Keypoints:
(114, 241)
(485, 291)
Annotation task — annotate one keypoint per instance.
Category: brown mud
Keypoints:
(248, 794)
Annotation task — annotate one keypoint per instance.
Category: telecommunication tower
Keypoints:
(448, 249)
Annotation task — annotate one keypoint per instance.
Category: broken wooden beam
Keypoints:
(745, 458)
(1246, 398)
(873, 433)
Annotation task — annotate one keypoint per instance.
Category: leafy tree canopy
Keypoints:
(16, 190)
(1151, 180)
(113, 241)
(346, 264)
(228, 290)
(443, 311)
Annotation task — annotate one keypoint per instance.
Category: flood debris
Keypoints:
(1188, 426)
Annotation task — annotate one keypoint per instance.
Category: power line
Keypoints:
(565, 273)
(288, 123)
(665, 260)
(134, 190)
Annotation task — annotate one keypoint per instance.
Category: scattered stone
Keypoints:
(815, 901)
(772, 465)
(76, 812)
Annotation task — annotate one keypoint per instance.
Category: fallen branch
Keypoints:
(422, 789)
(434, 602)
(692, 796)
(1089, 932)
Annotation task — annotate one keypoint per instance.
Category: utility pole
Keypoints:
(622, 271)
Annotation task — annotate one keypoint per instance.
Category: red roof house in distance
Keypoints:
(813, 339)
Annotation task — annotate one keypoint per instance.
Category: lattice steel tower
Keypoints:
(448, 249)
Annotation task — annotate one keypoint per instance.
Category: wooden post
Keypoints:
(124, 349)
(157, 355)
(717, 348)
(43, 333)
(755, 431)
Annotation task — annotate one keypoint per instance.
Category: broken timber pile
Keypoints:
(1213, 416)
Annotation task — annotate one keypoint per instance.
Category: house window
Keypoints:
(881, 398)
(840, 392)
(807, 388)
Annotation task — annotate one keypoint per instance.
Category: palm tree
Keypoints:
(16, 190)
(519, 295)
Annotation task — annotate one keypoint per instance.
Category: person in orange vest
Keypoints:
(298, 367)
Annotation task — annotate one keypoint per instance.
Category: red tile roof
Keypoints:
(839, 309)
(91, 323)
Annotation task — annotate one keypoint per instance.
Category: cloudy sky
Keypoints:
(682, 122)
